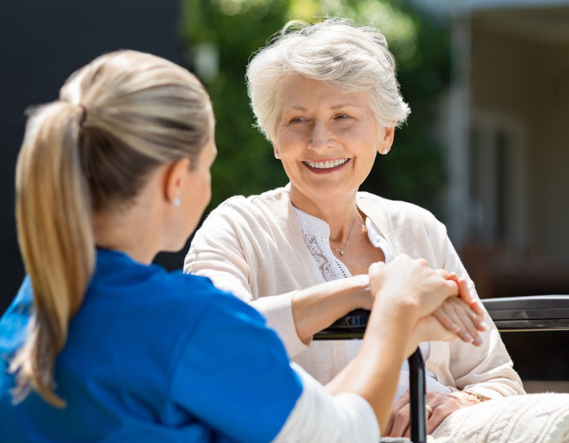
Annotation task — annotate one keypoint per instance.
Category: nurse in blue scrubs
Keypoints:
(101, 345)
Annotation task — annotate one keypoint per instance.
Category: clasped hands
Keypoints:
(442, 405)
(462, 315)
(438, 316)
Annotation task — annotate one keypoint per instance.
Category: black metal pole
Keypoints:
(418, 420)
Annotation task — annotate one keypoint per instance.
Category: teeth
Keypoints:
(326, 165)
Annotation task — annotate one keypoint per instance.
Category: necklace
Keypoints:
(341, 251)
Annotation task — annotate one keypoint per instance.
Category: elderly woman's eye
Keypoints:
(342, 117)
(297, 120)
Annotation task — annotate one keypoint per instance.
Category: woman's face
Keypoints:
(327, 139)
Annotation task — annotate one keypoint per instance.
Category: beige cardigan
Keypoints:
(254, 248)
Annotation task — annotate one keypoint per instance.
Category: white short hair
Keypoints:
(350, 57)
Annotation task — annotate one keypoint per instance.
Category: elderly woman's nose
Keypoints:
(320, 137)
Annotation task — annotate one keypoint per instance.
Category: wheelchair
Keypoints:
(510, 315)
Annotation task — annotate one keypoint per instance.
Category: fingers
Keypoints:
(468, 332)
(451, 282)
(464, 294)
(443, 406)
(437, 417)
(397, 418)
(400, 422)
(446, 321)
(469, 323)
(430, 329)
(472, 321)
(374, 268)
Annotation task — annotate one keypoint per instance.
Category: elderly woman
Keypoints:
(327, 98)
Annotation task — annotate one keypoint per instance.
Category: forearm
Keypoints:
(374, 373)
(316, 308)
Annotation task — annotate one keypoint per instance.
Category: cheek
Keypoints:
(204, 193)
(199, 192)
(290, 142)
(207, 190)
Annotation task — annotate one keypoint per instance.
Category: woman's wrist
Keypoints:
(469, 398)
(317, 307)
(361, 297)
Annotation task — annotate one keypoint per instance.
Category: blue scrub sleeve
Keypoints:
(16, 318)
(234, 374)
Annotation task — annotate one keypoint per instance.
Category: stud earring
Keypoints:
(277, 155)
(176, 202)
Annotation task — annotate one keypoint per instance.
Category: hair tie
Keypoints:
(83, 115)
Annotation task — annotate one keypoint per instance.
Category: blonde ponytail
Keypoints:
(89, 153)
(56, 240)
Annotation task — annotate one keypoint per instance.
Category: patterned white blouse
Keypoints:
(316, 235)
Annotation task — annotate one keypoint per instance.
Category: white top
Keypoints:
(320, 417)
(254, 248)
(316, 235)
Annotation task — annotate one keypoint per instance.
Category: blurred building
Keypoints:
(506, 125)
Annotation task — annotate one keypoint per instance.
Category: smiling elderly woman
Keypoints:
(327, 98)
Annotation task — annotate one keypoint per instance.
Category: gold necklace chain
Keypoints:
(341, 251)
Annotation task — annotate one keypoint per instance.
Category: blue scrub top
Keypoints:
(153, 356)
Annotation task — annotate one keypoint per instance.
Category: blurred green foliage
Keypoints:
(225, 33)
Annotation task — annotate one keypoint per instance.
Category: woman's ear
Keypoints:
(174, 179)
(386, 141)
(276, 152)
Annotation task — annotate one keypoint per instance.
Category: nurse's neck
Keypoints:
(122, 233)
(134, 229)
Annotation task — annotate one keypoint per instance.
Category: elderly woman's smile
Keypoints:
(326, 166)
(326, 138)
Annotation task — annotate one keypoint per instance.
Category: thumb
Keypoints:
(430, 329)
(375, 267)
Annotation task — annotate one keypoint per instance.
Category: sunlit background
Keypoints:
(486, 147)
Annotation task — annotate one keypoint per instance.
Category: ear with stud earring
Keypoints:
(277, 156)
(176, 202)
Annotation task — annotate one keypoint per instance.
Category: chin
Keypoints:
(325, 190)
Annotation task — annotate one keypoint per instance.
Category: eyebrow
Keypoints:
(297, 108)
(344, 105)
(339, 106)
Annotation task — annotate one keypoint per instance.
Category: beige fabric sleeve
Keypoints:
(486, 370)
(219, 252)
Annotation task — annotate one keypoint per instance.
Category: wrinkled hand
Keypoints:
(443, 405)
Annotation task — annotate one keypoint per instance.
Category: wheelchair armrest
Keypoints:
(531, 313)
(510, 314)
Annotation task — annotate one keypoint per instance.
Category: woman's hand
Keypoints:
(456, 316)
(464, 294)
(442, 405)
(409, 287)
(463, 315)
(429, 328)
